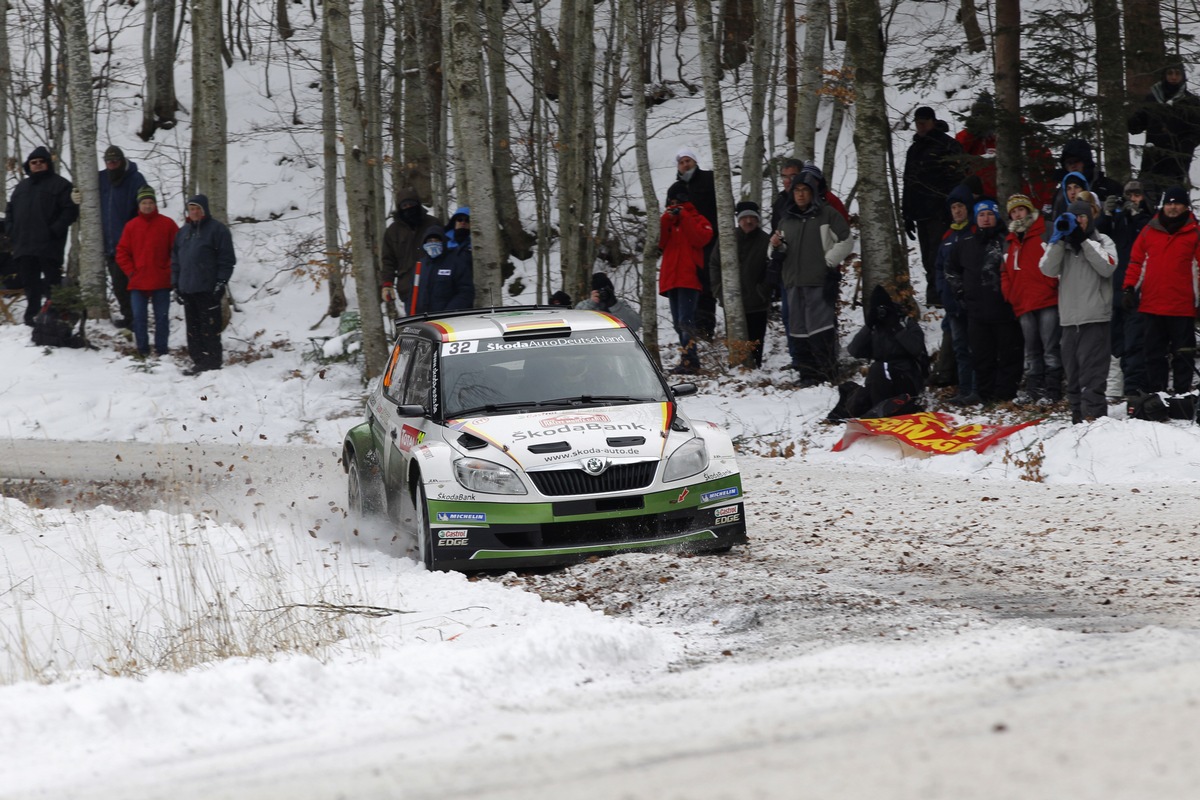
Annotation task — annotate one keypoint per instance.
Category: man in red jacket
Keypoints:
(1160, 284)
(144, 255)
(683, 234)
(1034, 299)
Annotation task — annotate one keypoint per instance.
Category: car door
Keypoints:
(407, 432)
(388, 422)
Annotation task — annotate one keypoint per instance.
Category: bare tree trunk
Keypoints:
(1110, 99)
(837, 119)
(516, 239)
(208, 108)
(163, 74)
(424, 155)
(1007, 77)
(970, 23)
(790, 66)
(282, 23)
(812, 78)
(374, 27)
(637, 88)
(329, 131)
(754, 154)
(5, 85)
(353, 118)
(730, 278)
(610, 94)
(738, 29)
(1145, 46)
(577, 141)
(882, 253)
(469, 103)
(82, 116)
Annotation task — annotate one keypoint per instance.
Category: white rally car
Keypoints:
(537, 436)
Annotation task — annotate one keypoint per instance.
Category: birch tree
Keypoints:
(209, 134)
(882, 252)
(329, 165)
(754, 154)
(5, 84)
(730, 278)
(469, 103)
(358, 204)
(812, 66)
(637, 88)
(82, 121)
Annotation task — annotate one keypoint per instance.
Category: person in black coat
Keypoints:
(895, 345)
(120, 182)
(443, 279)
(1170, 118)
(703, 193)
(1123, 221)
(973, 272)
(40, 214)
(931, 171)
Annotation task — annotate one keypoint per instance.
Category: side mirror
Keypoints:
(684, 389)
(410, 410)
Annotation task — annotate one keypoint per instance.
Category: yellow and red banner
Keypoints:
(930, 431)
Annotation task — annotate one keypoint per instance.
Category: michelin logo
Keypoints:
(720, 494)
(460, 516)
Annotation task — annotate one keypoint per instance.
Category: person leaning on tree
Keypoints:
(202, 261)
(40, 213)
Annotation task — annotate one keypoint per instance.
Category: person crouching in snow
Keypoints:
(895, 345)
(144, 254)
(682, 235)
(442, 280)
(1083, 260)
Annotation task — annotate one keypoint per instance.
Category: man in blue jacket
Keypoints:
(120, 183)
(444, 279)
(202, 263)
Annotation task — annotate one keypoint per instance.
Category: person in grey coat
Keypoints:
(1083, 260)
(604, 298)
(202, 262)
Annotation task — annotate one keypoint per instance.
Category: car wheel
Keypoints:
(421, 531)
(364, 492)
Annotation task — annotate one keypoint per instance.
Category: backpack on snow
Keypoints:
(1160, 407)
(52, 328)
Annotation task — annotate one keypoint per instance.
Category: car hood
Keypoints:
(543, 439)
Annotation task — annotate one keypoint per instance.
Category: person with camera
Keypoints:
(895, 345)
(683, 234)
(1122, 221)
(1083, 260)
(604, 298)
(806, 253)
(1160, 285)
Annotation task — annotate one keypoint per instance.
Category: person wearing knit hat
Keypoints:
(1083, 260)
(702, 191)
(1159, 285)
(41, 211)
(120, 182)
(1127, 367)
(144, 257)
(974, 272)
(1034, 299)
(753, 245)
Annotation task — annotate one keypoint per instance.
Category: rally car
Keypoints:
(537, 436)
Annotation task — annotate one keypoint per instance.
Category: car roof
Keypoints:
(511, 322)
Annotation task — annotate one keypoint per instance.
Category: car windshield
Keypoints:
(586, 368)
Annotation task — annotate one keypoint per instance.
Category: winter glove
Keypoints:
(177, 296)
(388, 295)
(1129, 299)
(219, 289)
(1110, 204)
(833, 285)
(910, 228)
(76, 196)
(1063, 226)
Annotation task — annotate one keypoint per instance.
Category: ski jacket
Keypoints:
(973, 271)
(815, 241)
(144, 251)
(445, 283)
(682, 238)
(402, 245)
(1162, 267)
(932, 168)
(202, 255)
(118, 203)
(1024, 285)
(752, 250)
(40, 213)
(1085, 288)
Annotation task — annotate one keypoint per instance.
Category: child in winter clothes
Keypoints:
(1083, 260)
(1034, 299)
(682, 237)
(144, 255)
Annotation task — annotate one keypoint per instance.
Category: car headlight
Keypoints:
(687, 461)
(487, 477)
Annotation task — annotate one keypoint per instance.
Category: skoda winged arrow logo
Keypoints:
(595, 466)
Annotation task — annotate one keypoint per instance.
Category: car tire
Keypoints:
(364, 493)
(421, 529)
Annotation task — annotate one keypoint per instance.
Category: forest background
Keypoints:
(556, 122)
